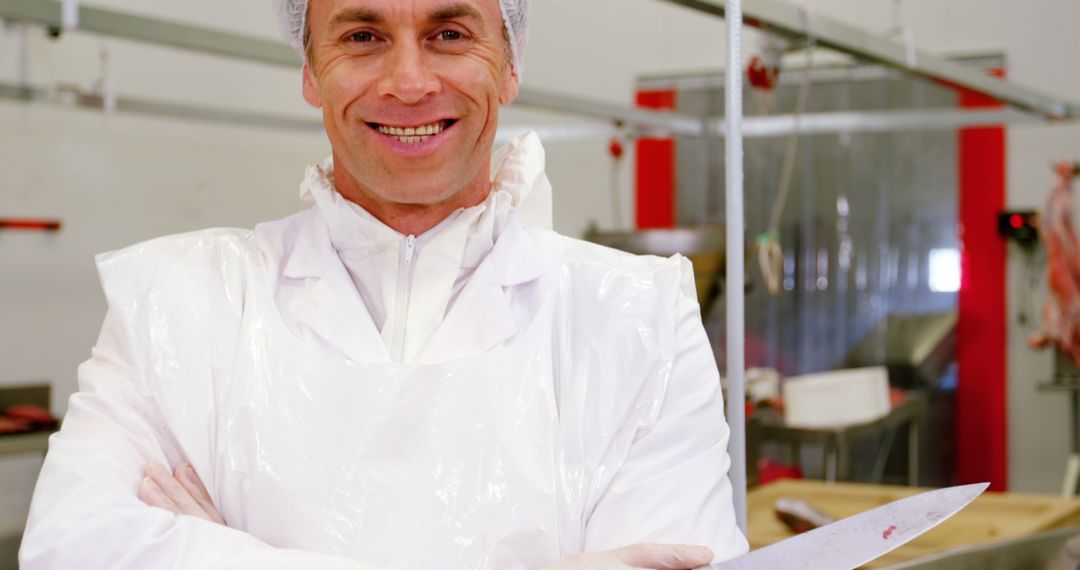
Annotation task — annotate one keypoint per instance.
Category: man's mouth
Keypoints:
(416, 134)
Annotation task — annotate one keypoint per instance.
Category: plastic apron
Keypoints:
(568, 402)
(392, 465)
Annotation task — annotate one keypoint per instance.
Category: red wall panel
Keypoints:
(981, 413)
(655, 168)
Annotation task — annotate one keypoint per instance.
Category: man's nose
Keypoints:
(409, 77)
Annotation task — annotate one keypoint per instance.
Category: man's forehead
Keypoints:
(383, 10)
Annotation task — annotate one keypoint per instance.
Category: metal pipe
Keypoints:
(735, 280)
(73, 98)
(879, 121)
(783, 17)
(649, 123)
(117, 24)
(752, 127)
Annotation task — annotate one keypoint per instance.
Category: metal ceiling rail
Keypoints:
(877, 121)
(753, 127)
(789, 19)
(69, 97)
(143, 29)
(640, 119)
(776, 14)
(187, 37)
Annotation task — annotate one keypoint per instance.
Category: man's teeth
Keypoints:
(412, 134)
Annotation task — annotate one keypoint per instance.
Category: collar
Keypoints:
(480, 319)
(519, 186)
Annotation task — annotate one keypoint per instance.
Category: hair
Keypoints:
(507, 43)
(309, 53)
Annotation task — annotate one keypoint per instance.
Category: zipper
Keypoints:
(401, 306)
(406, 263)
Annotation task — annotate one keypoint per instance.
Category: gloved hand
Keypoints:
(181, 492)
(637, 556)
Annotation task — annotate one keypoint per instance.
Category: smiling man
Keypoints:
(413, 373)
(411, 123)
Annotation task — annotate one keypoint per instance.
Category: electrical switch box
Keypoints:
(1021, 226)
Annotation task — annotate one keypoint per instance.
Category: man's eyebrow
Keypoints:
(355, 15)
(455, 11)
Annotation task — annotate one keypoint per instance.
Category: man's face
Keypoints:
(410, 92)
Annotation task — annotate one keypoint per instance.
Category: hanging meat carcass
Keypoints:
(1061, 312)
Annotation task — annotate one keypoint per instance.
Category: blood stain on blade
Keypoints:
(888, 532)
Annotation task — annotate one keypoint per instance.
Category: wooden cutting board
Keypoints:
(992, 517)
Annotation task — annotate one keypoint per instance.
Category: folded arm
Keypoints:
(86, 511)
(105, 498)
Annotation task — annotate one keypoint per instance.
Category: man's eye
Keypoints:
(450, 35)
(362, 37)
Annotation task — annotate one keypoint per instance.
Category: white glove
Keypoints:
(638, 556)
(181, 492)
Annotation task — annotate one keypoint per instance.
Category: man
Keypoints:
(405, 375)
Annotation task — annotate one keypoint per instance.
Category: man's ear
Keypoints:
(511, 87)
(311, 88)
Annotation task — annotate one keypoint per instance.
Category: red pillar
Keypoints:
(655, 166)
(981, 413)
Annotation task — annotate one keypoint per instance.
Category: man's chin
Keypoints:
(415, 195)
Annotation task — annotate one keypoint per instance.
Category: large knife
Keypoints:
(856, 540)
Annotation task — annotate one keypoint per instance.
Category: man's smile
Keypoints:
(413, 134)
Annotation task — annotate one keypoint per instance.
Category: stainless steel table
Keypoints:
(838, 441)
(37, 394)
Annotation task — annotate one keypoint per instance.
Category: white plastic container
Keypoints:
(836, 398)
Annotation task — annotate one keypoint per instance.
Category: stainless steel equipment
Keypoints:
(916, 348)
(919, 351)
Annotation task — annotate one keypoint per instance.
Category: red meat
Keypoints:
(1061, 312)
(39, 417)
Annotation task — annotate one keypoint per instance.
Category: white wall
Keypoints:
(115, 180)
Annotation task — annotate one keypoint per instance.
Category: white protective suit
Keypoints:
(565, 399)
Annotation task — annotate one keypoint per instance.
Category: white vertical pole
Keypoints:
(736, 410)
(69, 14)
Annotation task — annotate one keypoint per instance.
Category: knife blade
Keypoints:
(856, 540)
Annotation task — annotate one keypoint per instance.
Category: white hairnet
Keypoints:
(292, 19)
(516, 19)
